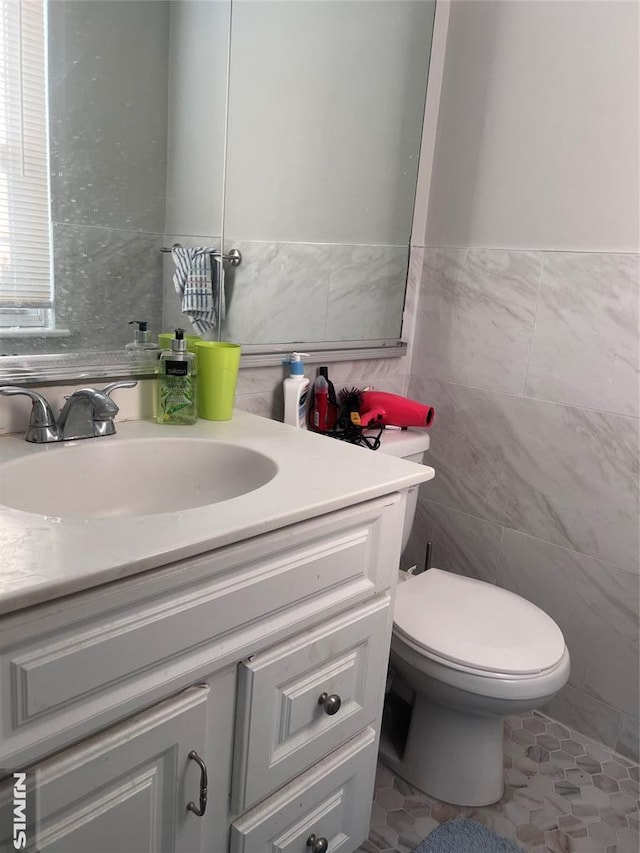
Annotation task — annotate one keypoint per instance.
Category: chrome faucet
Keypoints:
(87, 413)
(42, 424)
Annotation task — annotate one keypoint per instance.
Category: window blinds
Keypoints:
(25, 231)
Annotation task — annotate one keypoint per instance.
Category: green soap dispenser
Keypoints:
(177, 384)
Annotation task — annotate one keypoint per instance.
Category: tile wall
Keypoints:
(304, 291)
(259, 389)
(531, 360)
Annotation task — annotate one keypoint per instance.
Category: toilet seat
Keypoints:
(476, 627)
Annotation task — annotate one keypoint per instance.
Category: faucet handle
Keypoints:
(42, 423)
(103, 419)
(126, 383)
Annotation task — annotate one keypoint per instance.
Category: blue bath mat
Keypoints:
(465, 836)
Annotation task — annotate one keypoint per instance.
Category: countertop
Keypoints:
(46, 557)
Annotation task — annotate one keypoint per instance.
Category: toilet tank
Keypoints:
(409, 444)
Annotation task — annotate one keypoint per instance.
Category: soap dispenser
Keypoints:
(141, 338)
(177, 384)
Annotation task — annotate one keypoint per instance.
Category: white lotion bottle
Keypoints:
(296, 389)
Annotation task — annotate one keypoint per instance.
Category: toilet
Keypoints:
(472, 653)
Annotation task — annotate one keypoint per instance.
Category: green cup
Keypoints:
(218, 364)
(165, 338)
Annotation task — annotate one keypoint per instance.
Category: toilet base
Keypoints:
(453, 756)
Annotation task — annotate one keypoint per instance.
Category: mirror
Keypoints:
(320, 117)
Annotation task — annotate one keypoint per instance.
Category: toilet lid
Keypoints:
(476, 625)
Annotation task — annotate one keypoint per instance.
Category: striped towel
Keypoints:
(197, 281)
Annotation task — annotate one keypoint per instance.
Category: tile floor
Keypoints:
(563, 793)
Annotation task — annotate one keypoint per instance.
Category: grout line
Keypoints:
(460, 511)
(618, 733)
(136, 232)
(541, 249)
(327, 300)
(411, 332)
(561, 403)
(495, 578)
(533, 325)
(581, 736)
(506, 527)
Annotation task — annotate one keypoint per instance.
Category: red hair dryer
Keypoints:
(382, 409)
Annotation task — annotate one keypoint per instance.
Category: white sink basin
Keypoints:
(103, 478)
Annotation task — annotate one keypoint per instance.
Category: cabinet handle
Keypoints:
(330, 703)
(192, 807)
(317, 845)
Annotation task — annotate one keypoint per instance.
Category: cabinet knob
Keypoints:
(192, 807)
(330, 703)
(317, 845)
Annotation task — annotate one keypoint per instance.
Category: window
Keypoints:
(26, 281)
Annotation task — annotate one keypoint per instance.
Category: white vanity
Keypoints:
(248, 636)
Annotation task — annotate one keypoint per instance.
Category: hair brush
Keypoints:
(350, 404)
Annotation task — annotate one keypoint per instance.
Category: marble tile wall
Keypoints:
(315, 292)
(531, 360)
(304, 291)
(104, 277)
(260, 389)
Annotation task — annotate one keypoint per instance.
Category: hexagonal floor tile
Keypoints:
(563, 794)
(588, 764)
(572, 747)
(389, 799)
(615, 770)
(605, 783)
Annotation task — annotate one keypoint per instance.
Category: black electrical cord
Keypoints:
(354, 434)
(345, 429)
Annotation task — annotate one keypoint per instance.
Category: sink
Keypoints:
(108, 478)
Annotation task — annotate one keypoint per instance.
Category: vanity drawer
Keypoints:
(281, 725)
(71, 666)
(332, 801)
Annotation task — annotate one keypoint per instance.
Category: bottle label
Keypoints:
(176, 368)
(177, 400)
(302, 409)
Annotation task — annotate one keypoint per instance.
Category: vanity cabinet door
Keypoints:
(305, 697)
(332, 801)
(127, 788)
